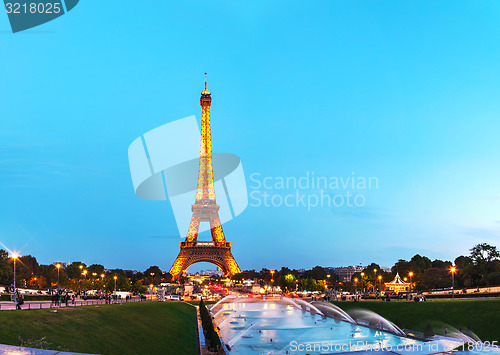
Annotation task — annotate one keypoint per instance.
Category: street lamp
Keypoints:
(81, 273)
(14, 257)
(411, 284)
(102, 281)
(453, 269)
(152, 277)
(362, 276)
(272, 275)
(58, 266)
(380, 282)
(375, 272)
(85, 282)
(356, 284)
(115, 277)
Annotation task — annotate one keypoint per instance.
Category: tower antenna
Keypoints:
(205, 81)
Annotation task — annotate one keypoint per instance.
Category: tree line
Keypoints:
(76, 275)
(480, 268)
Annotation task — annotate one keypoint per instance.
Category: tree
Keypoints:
(74, 271)
(435, 278)
(156, 277)
(402, 267)
(98, 269)
(139, 287)
(287, 281)
(122, 283)
(440, 264)
(420, 263)
(27, 267)
(6, 271)
(484, 253)
(317, 273)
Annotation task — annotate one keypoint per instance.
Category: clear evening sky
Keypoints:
(407, 92)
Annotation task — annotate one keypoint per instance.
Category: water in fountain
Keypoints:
(374, 320)
(226, 299)
(306, 306)
(252, 325)
(330, 309)
(466, 336)
(241, 334)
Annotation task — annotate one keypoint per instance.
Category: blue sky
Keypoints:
(403, 91)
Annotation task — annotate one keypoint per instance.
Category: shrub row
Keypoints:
(211, 336)
(465, 295)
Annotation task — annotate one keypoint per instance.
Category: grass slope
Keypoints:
(131, 328)
(482, 316)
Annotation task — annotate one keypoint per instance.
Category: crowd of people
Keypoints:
(65, 297)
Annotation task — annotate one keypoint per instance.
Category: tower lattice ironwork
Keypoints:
(205, 209)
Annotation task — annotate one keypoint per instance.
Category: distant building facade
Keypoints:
(345, 273)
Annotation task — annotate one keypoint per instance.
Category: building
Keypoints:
(345, 273)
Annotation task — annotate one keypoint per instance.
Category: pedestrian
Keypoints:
(18, 306)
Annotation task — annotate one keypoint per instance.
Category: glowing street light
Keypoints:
(85, 285)
(14, 257)
(102, 278)
(362, 276)
(380, 282)
(356, 284)
(115, 277)
(453, 269)
(272, 275)
(411, 284)
(58, 266)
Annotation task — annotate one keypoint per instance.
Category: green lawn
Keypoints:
(482, 316)
(130, 328)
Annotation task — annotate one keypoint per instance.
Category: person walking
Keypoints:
(18, 300)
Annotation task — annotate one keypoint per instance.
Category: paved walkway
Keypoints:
(17, 350)
(10, 305)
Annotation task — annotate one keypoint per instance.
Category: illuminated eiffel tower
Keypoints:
(217, 251)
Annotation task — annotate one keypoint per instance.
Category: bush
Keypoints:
(211, 336)
(428, 331)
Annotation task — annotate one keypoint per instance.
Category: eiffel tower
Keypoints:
(205, 209)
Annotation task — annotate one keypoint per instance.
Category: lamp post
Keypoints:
(453, 269)
(380, 282)
(152, 277)
(356, 284)
(411, 284)
(81, 273)
(14, 257)
(272, 276)
(362, 276)
(374, 285)
(58, 266)
(102, 281)
(115, 277)
(85, 282)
